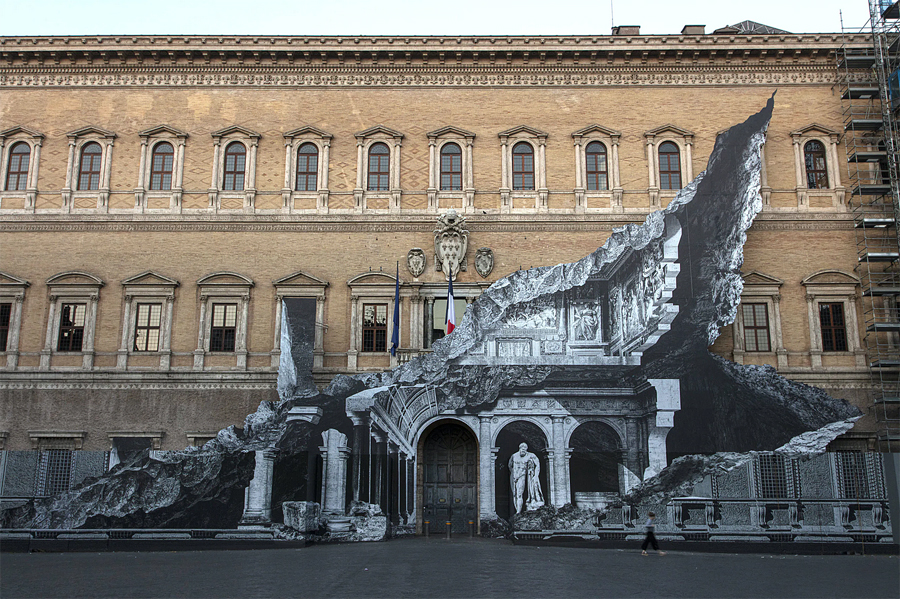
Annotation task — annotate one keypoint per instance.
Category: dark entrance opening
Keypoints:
(508, 440)
(450, 481)
(594, 464)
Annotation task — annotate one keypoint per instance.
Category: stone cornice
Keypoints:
(376, 223)
(108, 61)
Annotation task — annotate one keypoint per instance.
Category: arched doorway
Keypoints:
(595, 465)
(508, 441)
(450, 477)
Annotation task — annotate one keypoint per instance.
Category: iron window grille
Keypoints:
(816, 169)
(374, 329)
(307, 167)
(71, 327)
(223, 331)
(161, 166)
(756, 327)
(597, 170)
(523, 167)
(235, 167)
(776, 477)
(669, 166)
(55, 472)
(831, 321)
(147, 327)
(859, 475)
(451, 167)
(17, 167)
(89, 167)
(379, 168)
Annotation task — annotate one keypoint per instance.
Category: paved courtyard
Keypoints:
(440, 568)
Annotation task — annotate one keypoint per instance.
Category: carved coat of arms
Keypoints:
(484, 261)
(415, 262)
(451, 241)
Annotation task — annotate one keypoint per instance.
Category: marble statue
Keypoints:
(524, 473)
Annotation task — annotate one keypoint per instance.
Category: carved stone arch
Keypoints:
(12, 290)
(292, 198)
(537, 139)
(504, 421)
(217, 192)
(33, 139)
(72, 196)
(373, 278)
(437, 139)
(362, 194)
(684, 140)
(74, 295)
(830, 277)
(617, 428)
(150, 139)
(583, 186)
(829, 138)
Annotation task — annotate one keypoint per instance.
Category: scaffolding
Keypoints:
(870, 101)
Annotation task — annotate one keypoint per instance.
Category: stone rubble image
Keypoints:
(573, 397)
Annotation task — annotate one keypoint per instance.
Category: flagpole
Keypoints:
(395, 336)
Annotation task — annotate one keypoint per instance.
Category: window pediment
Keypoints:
(450, 131)
(163, 131)
(226, 278)
(668, 128)
(379, 130)
(23, 131)
(236, 130)
(300, 278)
(74, 278)
(598, 130)
(150, 278)
(754, 277)
(7, 280)
(814, 129)
(830, 277)
(91, 131)
(523, 131)
(373, 279)
(308, 131)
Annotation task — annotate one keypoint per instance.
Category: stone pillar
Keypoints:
(378, 458)
(47, 352)
(392, 490)
(87, 358)
(402, 487)
(668, 401)
(322, 205)
(411, 513)
(334, 471)
(558, 496)
(258, 494)
(432, 167)
(122, 354)
(354, 333)
(485, 467)
(815, 335)
(319, 334)
(429, 321)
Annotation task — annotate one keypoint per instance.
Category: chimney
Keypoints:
(627, 30)
(694, 30)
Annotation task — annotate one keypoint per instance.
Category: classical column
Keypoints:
(323, 183)
(358, 462)
(48, 340)
(276, 342)
(633, 446)
(107, 170)
(286, 190)
(392, 489)
(689, 158)
(432, 167)
(241, 342)
(485, 467)
(402, 505)
(70, 172)
(15, 321)
(505, 201)
(31, 194)
(250, 193)
(558, 495)
(177, 189)
(354, 333)
(377, 481)
(139, 190)
(200, 352)
(319, 334)
(334, 471)
(122, 354)
(165, 357)
(258, 494)
(651, 160)
(429, 321)
(470, 178)
(815, 335)
(781, 353)
(87, 358)
(764, 190)
(417, 322)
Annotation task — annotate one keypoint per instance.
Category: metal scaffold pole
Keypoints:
(868, 71)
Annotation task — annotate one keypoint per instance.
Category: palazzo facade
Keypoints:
(169, 204)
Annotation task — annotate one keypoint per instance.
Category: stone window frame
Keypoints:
(760, 288)
(538, 141)
(300, 284)
(437, 139)
(292, 141)
(842, 289)
(221, 140)
(150, 138)
(610, 139)
(200, 438)
(219, 287)
(44, 440)
(364, 141)
(147, 287)
(78, 139)
(154, 436)
(829, 138)
(684, 140)
(12, 290)
(35, 140)
(70, 287)
(372, 288)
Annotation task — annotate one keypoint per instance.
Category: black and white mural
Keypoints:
(573, 398)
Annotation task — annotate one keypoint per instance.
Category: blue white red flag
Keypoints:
(451, 312)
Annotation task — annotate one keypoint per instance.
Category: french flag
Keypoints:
(451, 312)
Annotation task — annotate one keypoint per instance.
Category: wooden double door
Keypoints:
(450, 482)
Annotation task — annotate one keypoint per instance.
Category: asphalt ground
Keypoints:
(419, 567)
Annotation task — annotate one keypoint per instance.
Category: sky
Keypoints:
(414, 17)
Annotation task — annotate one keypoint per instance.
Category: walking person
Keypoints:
(650, 526)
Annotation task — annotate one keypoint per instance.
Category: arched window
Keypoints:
(669, 166)
(595, 155)
(379, 168)
(816, 171)
(161, 165)
(523, 166)
(89, 168)
(307, 167)
(17, 168)
(451, 167)
(235, 167)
